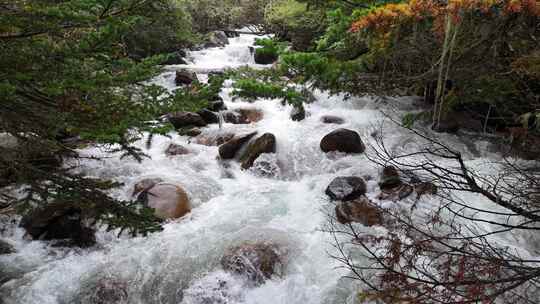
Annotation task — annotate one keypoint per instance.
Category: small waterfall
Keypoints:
(221, 119)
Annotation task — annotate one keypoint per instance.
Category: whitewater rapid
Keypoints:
(181, 263)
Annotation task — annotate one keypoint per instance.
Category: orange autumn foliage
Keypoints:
(384, 18)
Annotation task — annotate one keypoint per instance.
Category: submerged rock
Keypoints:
(266, 165)
(184, 77)
(264, 144)
(255, 261)
(176, 149)
(360, 210)
(59, 221)
(329, 119)
(6, 248)
(342, 140)
(169, 201)
(185, 119)
(106, 291)
(346, 188)
(229, 149)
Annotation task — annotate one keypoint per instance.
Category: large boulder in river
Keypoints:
(6, 248)
(229, 149)
(59, 221)
(184, 77)
(346, 188)
(169, 201)
(360, 210)
(208, 116)
(343, 140)
(255, 261)
(264, 144)
(185, 119)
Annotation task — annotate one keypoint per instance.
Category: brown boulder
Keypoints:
(168, 201)
(229, 149)
(346, 188)
(361, 210)
(264, 144)
(214, 139)
(343, 140)
(255, 261)
(175, 149)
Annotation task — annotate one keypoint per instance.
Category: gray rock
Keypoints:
(6, 248)
(185, 119)
(346, 188)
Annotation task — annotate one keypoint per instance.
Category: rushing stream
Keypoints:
(230, 206)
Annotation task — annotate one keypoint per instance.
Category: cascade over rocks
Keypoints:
(59, 221)
(229, 149)
(329, 119)
(169, 201)
(6, 248)
(185, 119)
(264, 144)
(342, 140)
(346, 188)
(257, 262)
(184, 77)
(360, 210)
(176, 149)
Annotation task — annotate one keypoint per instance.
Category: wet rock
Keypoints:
(342, 140)
(191, 132)
(232, 34)
(424, 188)
(145, 184)
(298, 114)
(214, 139)
(107, 291)
(185, 119)
(248, 116)
(389, 178)
(329, 119)
(217, 105)
(217, 39)
(175, 149)
(59, 221)
(6, 248)
(264, 144)
(184, 77)
(265, 57)
(360, 210)
(208, 116)
(176, 58)
(229, 149)
(255, 261)
(346, 188)
(397, 193)
(169, 201)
